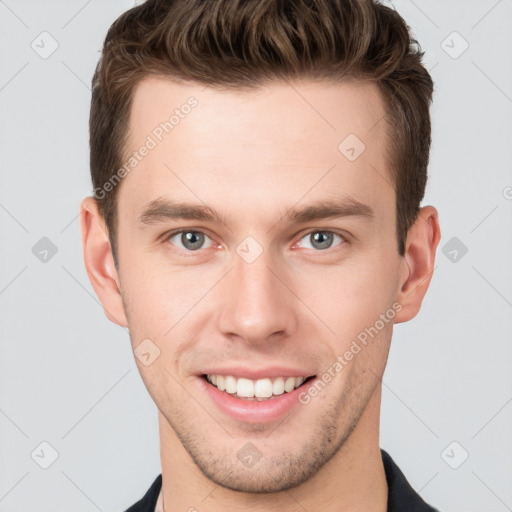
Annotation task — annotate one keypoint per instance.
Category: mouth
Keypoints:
(259, 390)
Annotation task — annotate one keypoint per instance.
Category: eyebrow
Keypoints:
(164, 209)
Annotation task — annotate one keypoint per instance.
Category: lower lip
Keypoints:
(252, 411)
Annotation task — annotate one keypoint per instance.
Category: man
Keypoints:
(258, 169)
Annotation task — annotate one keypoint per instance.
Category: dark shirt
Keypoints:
(401, 496)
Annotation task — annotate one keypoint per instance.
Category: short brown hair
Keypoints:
(243, 44)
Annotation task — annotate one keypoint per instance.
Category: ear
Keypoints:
(418, 262)
(99, 261)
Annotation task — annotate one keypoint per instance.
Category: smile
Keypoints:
(257, 390)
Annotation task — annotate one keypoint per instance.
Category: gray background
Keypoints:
(67, 375)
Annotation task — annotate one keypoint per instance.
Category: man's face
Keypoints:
(261, 292)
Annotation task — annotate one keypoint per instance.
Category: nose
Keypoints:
(258, 306)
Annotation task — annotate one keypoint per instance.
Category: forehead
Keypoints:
(280, 142)
(303, 108)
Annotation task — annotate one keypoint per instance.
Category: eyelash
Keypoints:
(343, 238)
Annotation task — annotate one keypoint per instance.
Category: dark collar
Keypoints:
(401, 496)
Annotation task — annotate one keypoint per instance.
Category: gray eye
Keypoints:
(321, 240)
(189, 240)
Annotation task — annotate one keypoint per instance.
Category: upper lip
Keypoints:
(261, 373)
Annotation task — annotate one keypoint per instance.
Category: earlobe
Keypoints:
(99, 261)
(418, 262)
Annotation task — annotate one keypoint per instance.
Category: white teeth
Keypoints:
(230, 383)
(260, 389)
(263, 388)
(245, 388)
(289, 385)
(278, 386)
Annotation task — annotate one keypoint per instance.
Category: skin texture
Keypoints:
(252, 157)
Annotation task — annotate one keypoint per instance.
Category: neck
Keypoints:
(353, 480)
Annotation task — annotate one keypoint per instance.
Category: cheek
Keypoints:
(150, 302)
(350, 297)
(162, 301)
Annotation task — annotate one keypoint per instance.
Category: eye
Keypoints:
(190, 240)
(322, 240)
